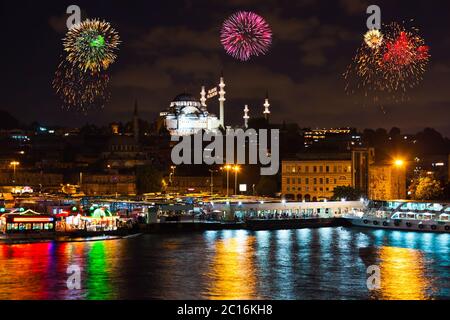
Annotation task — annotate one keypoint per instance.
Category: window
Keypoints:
(321, 169)
(307, 181)
(315, 180)
(37, 226)
(328, 169)
(299, 181)
(288, 181)
(321, 180)
(328, 180)
(315, 169)
(306, 169)
(48, 226)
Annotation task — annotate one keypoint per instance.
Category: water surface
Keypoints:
(328, 263)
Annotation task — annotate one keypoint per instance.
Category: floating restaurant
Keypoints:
(284, 210)
(27, 223)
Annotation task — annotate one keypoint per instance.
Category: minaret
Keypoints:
(203, 96)
(246, 116)
(267, 108)
(222, 101)
(136, 123)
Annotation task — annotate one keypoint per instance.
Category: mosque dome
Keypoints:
(186, 104)
(187, 115)
(185, 97)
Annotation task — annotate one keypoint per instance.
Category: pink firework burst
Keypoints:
(246, 34)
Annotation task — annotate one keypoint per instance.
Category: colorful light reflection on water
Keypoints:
(299, 264)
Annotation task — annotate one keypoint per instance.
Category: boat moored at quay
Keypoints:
(403, 215)
(27, 224)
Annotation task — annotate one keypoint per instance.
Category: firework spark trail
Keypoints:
(92, 45)
(79, 90)
(81, 80)
(246, 34)
(391, 67)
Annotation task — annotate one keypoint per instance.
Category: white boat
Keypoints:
(404, 215)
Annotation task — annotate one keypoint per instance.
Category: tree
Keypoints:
(348, 193)
(267, 186)
(369, 137)
(148, 179)
(426, 187)
(429, 141)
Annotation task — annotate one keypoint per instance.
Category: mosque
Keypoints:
(188, 115)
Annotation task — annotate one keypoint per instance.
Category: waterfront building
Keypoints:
(123, 152)
(108, 184)
(362, 159)
(195, 184)
(387, 181)
(313, 177)
(38, 181)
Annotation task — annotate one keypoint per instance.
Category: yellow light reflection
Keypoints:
(402, 274)
(233, 270)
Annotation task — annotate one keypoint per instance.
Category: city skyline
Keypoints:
(177, 48)
(242, 155)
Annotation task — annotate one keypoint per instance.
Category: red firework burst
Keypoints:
(246, 34)
(391, 69)
(404, 51)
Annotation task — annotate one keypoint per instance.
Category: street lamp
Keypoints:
(212, 181)
(172, 174)
(399, 164)
(14, 164)
(228, 168)
(236, 170)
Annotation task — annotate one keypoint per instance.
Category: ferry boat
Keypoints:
(21, 224)
(403, 215)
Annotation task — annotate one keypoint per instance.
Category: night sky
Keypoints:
(174, 46)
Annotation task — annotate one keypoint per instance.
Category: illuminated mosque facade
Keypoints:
(188, 115)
